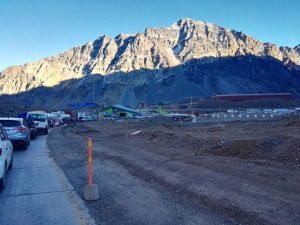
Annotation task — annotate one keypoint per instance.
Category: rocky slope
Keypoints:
(197, 77)
(154, 50)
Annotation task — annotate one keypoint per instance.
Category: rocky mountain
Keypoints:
(189, 57)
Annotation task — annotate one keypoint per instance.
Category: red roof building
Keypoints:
(244, 97)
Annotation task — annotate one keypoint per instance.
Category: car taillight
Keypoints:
(0, 151)
(21, 129)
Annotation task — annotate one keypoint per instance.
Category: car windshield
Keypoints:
(37, 117)
(10, 123)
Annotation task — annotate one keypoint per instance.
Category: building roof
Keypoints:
(120, 107)
(240, 97)
(258, 94)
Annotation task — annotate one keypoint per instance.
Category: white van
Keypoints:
(40, 119)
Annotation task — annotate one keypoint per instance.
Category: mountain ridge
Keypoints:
(198, 77)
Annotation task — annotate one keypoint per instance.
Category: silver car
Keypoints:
(17, 132)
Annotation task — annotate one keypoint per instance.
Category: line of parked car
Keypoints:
(17, 133)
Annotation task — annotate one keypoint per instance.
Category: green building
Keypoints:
(119, 111)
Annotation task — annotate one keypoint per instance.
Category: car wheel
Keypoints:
(24, 147)
(11, 163)
(3, 181)
(46, 131)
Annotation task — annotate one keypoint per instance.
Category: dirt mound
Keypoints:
(160, 135)
(245, 149)
(277, 149)
(277, 144)
(293, 123)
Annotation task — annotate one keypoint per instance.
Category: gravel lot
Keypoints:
(181, 173)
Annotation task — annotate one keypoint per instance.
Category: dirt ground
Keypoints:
(182, 173)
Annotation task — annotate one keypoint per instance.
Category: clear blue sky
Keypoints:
(32, 29)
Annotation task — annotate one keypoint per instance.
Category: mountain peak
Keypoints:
(185, 21)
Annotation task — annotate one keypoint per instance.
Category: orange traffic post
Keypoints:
(90, 161)
(90, 191)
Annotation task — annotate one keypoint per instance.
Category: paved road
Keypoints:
(35, 192)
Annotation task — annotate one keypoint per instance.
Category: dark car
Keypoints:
(33, 131)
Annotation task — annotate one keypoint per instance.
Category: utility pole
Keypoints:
(104, 98)
(93, 93)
